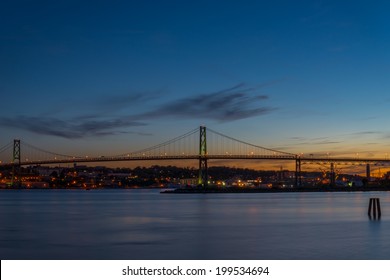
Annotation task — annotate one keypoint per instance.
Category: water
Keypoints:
(144, 224)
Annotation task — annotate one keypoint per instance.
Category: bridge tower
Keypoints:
(203, 177)
(16, 176)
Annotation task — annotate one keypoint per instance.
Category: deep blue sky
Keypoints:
(300, 76)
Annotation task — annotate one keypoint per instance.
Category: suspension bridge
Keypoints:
(199, 144)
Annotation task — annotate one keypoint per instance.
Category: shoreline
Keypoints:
(278, 190)
(373, 188)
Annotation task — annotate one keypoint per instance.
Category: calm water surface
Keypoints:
(144, 224)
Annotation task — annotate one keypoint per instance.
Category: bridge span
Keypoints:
(199, 144)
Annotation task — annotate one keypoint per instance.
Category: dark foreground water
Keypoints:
(144, 224)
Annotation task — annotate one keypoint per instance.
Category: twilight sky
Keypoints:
(299, 76)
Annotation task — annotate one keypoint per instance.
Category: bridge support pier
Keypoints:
(203, 177)
(332, 175)
(368, 172)
(298, 177)
(374, 207)
(16, 176)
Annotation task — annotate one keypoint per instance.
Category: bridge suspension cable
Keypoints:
(5, 152)
(32, 153)
(182, 145)
(6, 147)
(220, 144)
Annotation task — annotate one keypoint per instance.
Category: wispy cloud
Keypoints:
(235, 103)
(302, 141)
(365, 133)
(70, 129)
(111, 101)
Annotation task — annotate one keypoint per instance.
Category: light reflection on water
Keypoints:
(144, 224)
